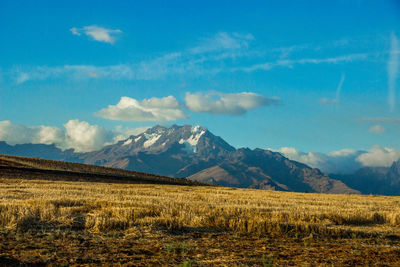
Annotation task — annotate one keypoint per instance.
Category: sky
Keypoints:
(315, 80)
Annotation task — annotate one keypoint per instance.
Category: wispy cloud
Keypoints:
(302, 61)
(338, 91)
(329, 101)
(97, 33)
(376, 129)
(223, 52)
(393, 68)
(339, 88)
(193, 61)
(223, 41)
(381, 119)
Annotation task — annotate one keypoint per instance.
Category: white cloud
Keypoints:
(393, 68)
(345, 160)
(169, 109)
(20, 134)
(97, 33)
(379, 156)
(341, 161)
(220, 103)
(153, 109)
(84, 137)
(78, 135)
(377, 129)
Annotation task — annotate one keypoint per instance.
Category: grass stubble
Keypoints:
(58, 223)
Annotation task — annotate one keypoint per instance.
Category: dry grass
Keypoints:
(106, 207)
(99, 209)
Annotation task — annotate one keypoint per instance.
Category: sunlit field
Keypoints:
(60, 222)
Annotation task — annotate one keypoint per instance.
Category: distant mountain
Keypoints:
(374, 180)
(39, 151)
(194, 152)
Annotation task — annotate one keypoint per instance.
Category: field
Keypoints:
(77, 222)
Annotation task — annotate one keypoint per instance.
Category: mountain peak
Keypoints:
(160, 138)
(156, 129)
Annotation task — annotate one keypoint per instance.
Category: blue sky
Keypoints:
(314, 76)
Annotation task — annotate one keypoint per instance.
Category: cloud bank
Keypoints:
(97, 33)
(345, 160)
(379, 156)
(20, 134)
(78, 135)
(153, 109)
(232, 104)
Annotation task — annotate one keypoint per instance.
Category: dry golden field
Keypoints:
(65, 223)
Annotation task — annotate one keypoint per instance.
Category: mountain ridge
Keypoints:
(196, 153)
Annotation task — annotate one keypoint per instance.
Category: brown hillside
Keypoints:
(36, 168)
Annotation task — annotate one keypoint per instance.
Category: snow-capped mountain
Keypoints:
(184, 140)
(160, 138)
(196, 153)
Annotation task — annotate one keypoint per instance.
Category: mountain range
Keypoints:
(374, 180)
(195, 153)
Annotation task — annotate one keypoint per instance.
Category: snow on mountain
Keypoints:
(127, 142)
(151, 139)
(191, 142)
(159, 138)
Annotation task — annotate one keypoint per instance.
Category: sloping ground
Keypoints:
(59, 223)
(36, 168)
